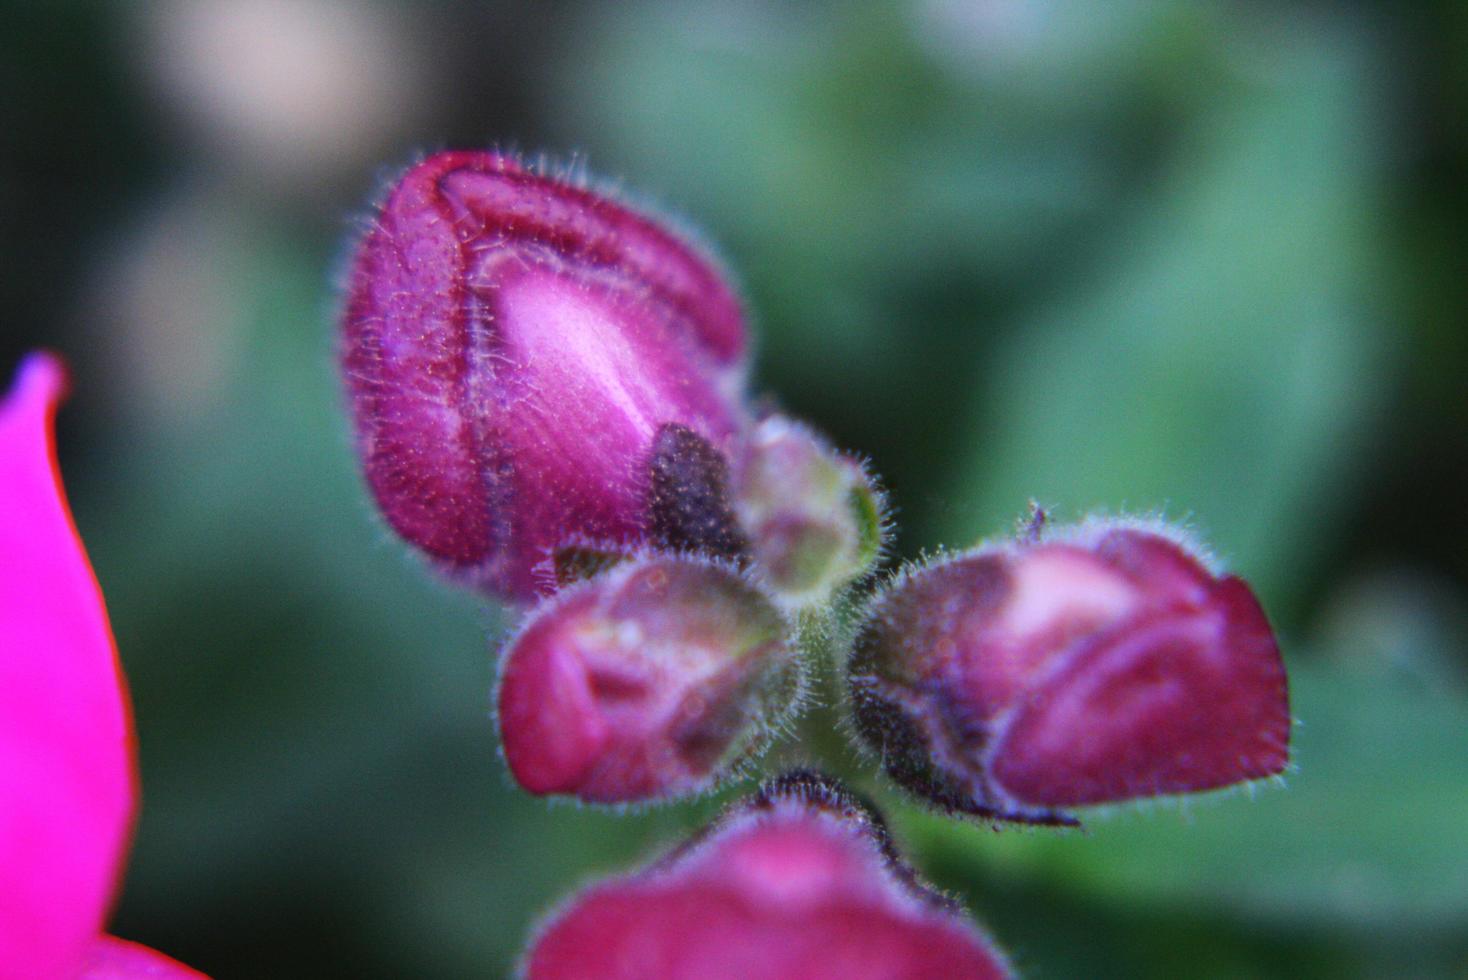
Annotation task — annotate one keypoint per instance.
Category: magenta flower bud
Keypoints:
(514, 347)
(647, 682)
(813, 518)
(800, 881)
(1106, 662)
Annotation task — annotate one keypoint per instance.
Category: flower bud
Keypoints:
(513, 346)
(813, 518)
(1095, 664)
(649, 681)
(799, 881)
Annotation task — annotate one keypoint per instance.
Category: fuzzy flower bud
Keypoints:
(799, 881)
(1106, 662)
(812, 516)
(648, 681)
(514, 349)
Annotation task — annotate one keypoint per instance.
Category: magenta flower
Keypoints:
(68, 776)
(800, 881)
(1105, 663)
(515, 349)
(650, 681)
(548, 397)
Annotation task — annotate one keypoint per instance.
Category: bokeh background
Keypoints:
(1203, 258)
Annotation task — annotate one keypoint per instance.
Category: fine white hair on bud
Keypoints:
(1089, 664)
(649, 681)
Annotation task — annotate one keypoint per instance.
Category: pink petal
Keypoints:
(117, 959)
(552, 732)
(512, 346)
(67, 782)
(1109, 662)
(1173, 702)
(648, 682)
(796, 882)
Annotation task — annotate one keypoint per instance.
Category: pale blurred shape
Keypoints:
(172, 296)
(964, 35)
(292, 89)
(1404, 621)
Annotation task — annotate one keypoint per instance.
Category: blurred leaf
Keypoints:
(1222, 360)
(842, 151)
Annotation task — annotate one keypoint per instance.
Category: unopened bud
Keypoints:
(799, 881)
(1093, 664)
(813, 517)
(513, 345)
(649, 681)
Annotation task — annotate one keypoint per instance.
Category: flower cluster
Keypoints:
(548, 391)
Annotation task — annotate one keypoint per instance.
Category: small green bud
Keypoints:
(813, 516)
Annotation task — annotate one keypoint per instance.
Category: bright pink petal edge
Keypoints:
(67, 776)
(111, 958)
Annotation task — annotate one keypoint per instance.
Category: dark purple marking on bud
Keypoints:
(577, 563)
(512, 344)
(1103, 663)
(801, 880)
(688, 500)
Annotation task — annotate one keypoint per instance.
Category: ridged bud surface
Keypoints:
(649, 681)
(812, 517)
(512, 346)
(1102, 664)
(799, 881)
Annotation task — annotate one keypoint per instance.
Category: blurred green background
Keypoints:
(1198, 258)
